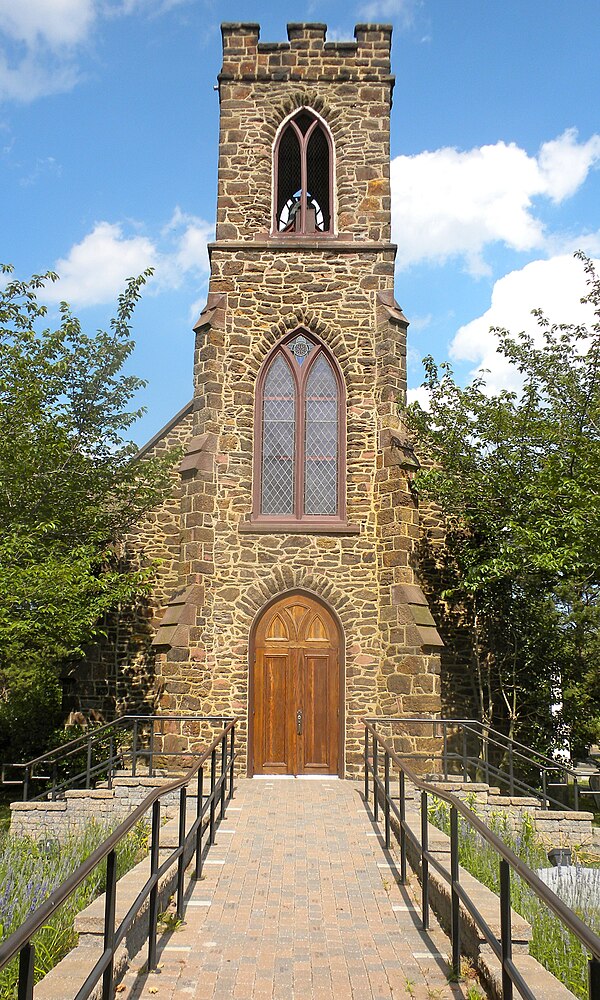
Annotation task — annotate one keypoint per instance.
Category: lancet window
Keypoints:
(303, 164)
(300, 434)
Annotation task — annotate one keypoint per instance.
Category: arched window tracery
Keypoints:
(303, 165)
(300, 434)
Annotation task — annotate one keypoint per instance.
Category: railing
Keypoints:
(379, 753)
(123, 745)
(215, 764)
(474, 751)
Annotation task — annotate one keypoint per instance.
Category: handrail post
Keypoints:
(486, 756)
(151, 759)
(505, 928)
(445, 751)
(386, 801)
(111, 754)
(511, 769)
(455, 904)
(134, 749)
(424, 861)
(26, 972)
(153, 908)
(88, 766)
(402, 828)
(464, 753)
(26, 781)
(109, 923)
(180, 844)
(231, 759)
(366, 764)
(213, 769)
(576, 793)
(375, 778)
(54, 778)
(594, 978)
(544, 789)
(199, 803)
(223, 775)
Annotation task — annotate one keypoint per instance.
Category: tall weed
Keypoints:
(30, 870)
(552, 944)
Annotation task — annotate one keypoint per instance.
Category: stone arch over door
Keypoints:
(296, 705)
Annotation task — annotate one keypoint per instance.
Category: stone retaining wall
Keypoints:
(554, 827)
(58, 820)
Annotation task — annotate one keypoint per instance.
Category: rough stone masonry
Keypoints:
(190, 649)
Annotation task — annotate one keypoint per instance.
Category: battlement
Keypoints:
(306, 55)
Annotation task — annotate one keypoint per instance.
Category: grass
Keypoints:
(4, 817)
(30, 870)
(552, 944)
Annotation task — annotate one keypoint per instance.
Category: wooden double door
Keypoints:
(296, 712)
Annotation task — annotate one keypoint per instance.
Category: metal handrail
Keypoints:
(502, 947)
(516, 751)
(90, 742)
(221, 788)
(476, 723)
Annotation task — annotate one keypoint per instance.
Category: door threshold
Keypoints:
(296, 777)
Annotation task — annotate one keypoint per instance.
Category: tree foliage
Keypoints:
(517, 476)
(70, 485)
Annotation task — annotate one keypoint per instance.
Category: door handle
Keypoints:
(299, 722)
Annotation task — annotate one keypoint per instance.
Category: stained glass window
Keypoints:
(321, 439)
(300, 449)
(278, 439)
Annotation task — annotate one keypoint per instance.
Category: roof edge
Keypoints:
(183, 412)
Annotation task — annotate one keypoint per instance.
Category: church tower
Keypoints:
(296, 607)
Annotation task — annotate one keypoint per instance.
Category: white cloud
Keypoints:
(95, 270)
(449, 203)
(420, 396)
(54, 22)
(555, 286)
(402, 11)
(188, 235)
(42, 41)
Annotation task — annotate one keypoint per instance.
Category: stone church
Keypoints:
(286, 591)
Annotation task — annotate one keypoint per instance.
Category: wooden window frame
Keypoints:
(300, 373)
(303, 140)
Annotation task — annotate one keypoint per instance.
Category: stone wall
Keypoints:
(65, 817)
(119, 673)
(554, 827)
(348, 83)
(339, 289)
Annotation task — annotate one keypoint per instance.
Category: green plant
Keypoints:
(170, 921)
(30, 870)
(552, 944)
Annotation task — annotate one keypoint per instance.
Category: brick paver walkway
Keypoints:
(299, 900)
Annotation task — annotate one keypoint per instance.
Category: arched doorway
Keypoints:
(296, 716)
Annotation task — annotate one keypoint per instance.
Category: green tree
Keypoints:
(517, 477)
(70, 488)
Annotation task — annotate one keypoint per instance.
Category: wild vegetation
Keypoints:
(552, 944)
(30, 870)
(70, 488)
(516, 476)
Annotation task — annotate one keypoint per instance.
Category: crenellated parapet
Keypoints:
(306, 55)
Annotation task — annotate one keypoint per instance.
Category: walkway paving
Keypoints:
(299, 900)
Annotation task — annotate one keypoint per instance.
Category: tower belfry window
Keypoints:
(303, 176)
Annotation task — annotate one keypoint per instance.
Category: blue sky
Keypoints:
(108, 158)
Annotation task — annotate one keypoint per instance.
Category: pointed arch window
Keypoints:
(300, 435)
(303, 171)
